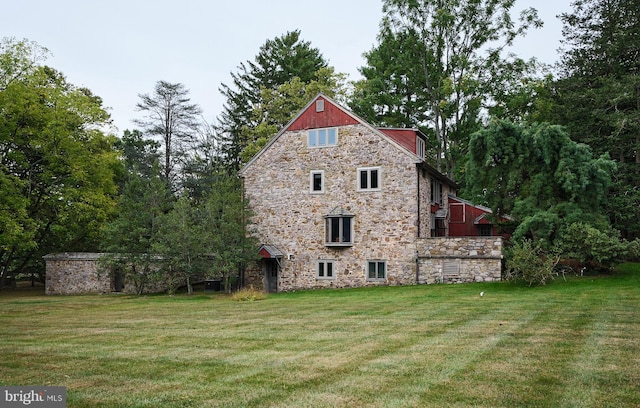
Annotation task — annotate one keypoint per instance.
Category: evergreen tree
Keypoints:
(598, 95)
(278, 62)
(539, 176)
(170, 115)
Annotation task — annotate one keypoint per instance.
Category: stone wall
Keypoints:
(459, 259)
(76, 273)
(388, 224)
(291, 217)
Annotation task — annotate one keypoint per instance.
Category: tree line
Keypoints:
(555, 147)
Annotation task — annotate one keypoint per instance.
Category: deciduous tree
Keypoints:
(436, 65)
(129, 237)
(56, 166)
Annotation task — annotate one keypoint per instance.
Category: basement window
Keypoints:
(325, 269)
(376, 270)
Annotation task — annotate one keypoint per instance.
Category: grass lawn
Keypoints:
(573, 343)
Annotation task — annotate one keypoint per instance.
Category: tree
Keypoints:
(180, 244)
(56, 167)
(538, 175)
(277, 106)
(18, 59)
(278, 62)
(436, 65)
(227, 236)
(129, 238)
(206, 237)
(170, 116)
(140, 156)
(598, 94)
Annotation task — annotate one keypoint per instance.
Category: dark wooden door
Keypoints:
(118, 283)
(271, 275)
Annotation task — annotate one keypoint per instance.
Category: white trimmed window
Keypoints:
(376, 270)
(369, 178)
(316, 181)
(421, 148)
(325, 269)
(323, 137)
(436, 192)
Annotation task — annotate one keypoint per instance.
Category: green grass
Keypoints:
(573, 343)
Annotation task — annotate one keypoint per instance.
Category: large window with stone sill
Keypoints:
(338, 227)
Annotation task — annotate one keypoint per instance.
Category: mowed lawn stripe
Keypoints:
(571, 343)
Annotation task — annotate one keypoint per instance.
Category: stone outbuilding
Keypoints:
(74, 273)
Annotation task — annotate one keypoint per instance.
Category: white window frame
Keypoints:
(369, 170)
(312, 173)
(421, 147)
(315, 141)
(437, 191)
(322, 269)
(377, 263)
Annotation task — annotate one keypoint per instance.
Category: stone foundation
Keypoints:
(428, 261)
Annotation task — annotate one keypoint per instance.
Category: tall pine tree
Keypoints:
(279, 61)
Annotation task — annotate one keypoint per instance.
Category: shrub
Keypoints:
(594, 248)
(248, 295)
(529, 264)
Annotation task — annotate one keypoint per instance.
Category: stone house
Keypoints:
(337, 202)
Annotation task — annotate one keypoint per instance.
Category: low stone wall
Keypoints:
(459, 260)
(75, 273)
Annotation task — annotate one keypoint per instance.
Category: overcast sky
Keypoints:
(121, 48)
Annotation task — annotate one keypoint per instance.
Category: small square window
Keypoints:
(485, 230)
(369, 179)
(316, 180)
(377, 270)
(325, 269)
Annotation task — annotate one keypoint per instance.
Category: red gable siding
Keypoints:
(405, 137)
(331, 116)
(465, 217)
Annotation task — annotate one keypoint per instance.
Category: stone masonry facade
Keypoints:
(76, 273)
(386, 222)
(459, 260)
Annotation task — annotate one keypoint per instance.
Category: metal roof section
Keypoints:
(270, 252)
